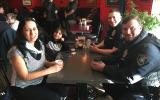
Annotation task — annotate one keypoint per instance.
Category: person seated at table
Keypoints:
(55, 43)
(113, 36)
(137, 66)
(27, 58)
(12, 21)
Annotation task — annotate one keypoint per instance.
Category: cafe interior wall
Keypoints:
(142, 5)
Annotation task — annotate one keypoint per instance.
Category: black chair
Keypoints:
(5, 90)
(95, 34)
(4, 83)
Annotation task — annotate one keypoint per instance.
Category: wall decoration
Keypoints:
(27, 2)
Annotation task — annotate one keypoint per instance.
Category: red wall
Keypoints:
(81, 4)
(142, 5)
(18, 3)
(59, 3)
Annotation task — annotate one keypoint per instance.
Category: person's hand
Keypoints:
(94, 48)
(62, 39)
(59, 62)
(93, 44)
(98, 66)
(114, 49)
(55, 68)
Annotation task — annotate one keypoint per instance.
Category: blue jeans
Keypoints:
(6, 95)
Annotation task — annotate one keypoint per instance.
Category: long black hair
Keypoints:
(20, 40)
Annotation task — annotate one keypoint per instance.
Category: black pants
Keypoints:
(124, 92)
(35, 92)
(61, 89)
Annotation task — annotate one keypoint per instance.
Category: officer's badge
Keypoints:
(125, 53)
(113, 33)
(141, 59)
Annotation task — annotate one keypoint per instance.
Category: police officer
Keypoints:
(113, 36)
(137, 66)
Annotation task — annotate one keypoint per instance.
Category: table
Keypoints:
(77, 71)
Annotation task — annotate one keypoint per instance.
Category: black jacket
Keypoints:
(7, 36)
(141, 57)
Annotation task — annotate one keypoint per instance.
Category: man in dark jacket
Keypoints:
(137, 65)
(50, 15)
(7, 36)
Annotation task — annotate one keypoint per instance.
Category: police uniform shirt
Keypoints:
(140, 58)
(113, 37)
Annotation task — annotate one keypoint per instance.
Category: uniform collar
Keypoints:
(116, 27)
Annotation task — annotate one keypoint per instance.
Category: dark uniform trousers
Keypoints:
(132, 92)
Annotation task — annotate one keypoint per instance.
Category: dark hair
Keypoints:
(12, 15)
(22, 23)
(20, 40)
(114, 10)
(54, 30)
(129, 18)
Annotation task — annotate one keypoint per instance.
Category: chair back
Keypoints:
(96, 32)
(5, 93)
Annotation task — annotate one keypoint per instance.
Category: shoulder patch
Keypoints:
(142, 59)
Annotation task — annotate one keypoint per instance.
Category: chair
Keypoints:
(5, 90)
(4, 84)
(95, 34)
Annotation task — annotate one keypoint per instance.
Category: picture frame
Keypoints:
(112, 2)
(27, 2)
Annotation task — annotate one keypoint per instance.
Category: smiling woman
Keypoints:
(29, 65)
